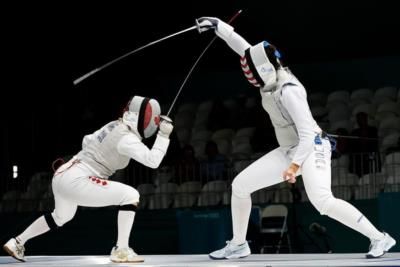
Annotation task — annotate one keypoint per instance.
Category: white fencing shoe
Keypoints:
(231, 251)
(15, 249)
(379, 247)
(125, 255)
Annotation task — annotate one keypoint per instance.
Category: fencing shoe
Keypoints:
(379, 247)
(231, 251)
(124, 255)
(15, 249)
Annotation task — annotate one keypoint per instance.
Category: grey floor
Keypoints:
(390, 259)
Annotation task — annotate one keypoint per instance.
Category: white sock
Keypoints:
(347, 214)
(38, 227)
(241, 208)
(125, 221)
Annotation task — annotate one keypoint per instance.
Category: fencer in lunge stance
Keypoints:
(303, 147)
(83, 181)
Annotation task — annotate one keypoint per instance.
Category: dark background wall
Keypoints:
(330, 45)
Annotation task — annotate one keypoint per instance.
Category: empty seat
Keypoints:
(389, 125)
(160, 201)
(389, 109)
(245, 132)
(262, 196)
(184, 200)
(146, 189)
(360, 95)
(184, 120)
(338, 97)
(393, 158)
(183, 136)
(224, 146)
(190, 187)
(223, 134)
(209, 199)
(390, 140)
(202, 135)
(215, 186)
(319, 111)
(339, 112)
(387, 92)
(167, 188)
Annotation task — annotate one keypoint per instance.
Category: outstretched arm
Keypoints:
(225, 32)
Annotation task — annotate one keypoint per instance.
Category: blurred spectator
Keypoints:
(342, 144)
(366, 157)
(187, 168)
(213, 167)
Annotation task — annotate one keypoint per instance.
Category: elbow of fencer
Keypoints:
(153, 164)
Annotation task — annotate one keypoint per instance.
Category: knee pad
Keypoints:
(130, 207)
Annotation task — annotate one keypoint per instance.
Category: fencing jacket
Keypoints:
(110, 149)
(287, 106)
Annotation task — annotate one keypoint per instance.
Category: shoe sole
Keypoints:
(127, 261)
(11, 253)
(384, 252)
(214, 258)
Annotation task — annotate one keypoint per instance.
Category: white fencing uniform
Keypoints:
(83, 180)
(300, 142)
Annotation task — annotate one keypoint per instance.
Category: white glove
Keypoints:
(206, 23)
(166, 126)
(222, 29)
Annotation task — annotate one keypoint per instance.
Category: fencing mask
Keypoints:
(258, 68)
(142, 115)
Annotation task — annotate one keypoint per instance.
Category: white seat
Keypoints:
(226, 198)
(160, 201)
(393, 158)
(390, 140)
(199, 148)
(361, 94)
(242, 148)
(209, 199)
(167, 188)
(184, 200)
(224, 146)
(389, 109)
(343, 161)
(387, 92)
(215, 186)
(245, 132)
(342, 192)
(338, 97)
(388, 126)
(163, 175)
(223, 134)
(190, 187)
(339, 112)
(262, 196)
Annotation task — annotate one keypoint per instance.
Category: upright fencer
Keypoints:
(303, 147)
